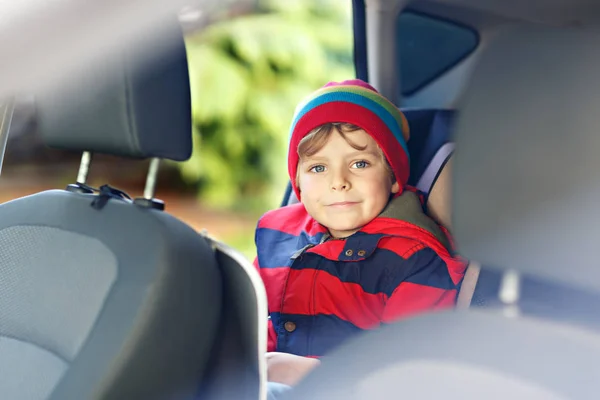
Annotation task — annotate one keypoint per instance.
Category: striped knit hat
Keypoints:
(358, 103)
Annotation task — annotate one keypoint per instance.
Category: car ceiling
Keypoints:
(550, 12)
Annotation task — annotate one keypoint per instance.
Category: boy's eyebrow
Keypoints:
(371, 152)
(312, 158)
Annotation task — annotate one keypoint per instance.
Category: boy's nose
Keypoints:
(340, 183)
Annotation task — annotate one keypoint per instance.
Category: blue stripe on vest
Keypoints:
(427, 269)
(275, 248)
(313, 334)
(372, 274)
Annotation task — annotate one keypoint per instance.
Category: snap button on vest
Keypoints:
(361, 253)
(289, 326)
(349, 253)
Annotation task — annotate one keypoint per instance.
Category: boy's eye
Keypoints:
(317, 168)
(360, 164)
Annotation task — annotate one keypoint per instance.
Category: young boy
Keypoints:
(358, 251)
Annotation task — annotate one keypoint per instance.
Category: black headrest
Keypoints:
(136, 104)
(527, 186)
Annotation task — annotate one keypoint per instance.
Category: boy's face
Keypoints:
(343, 188)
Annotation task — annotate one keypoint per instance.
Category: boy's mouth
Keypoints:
(342, 204)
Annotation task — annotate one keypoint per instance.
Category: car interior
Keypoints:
(501, 99)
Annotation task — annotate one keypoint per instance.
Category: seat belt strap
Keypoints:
(434, 168)
(467, 288)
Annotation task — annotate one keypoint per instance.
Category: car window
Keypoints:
(428, 47)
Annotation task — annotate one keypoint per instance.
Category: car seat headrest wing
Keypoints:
(526, 165)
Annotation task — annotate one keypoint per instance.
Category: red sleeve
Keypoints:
(272, 340)
(272, 335)
(410, 299)
(424, 285)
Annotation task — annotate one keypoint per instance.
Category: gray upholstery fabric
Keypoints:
(50, 292)
(27, 371)
(526, 168)
(138, 107)
(492, 354)
(472, 382)
(152, 337)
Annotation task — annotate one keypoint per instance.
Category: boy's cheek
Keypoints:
(307, 183)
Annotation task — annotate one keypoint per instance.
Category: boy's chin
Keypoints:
(342, 230)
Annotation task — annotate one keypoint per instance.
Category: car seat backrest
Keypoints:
(102, 297)
(431, 150)
(430, 138)
(525, 196)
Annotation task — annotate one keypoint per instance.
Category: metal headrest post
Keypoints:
(6, 113)
(148, 200)
(510, 293)
(150, 187)
(80, 185)
(84, 167)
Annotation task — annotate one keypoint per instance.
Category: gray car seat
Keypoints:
(526, 185)
(102, 297)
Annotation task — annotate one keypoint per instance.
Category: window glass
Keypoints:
(428, 47)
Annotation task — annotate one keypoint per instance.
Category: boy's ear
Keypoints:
(395, 187)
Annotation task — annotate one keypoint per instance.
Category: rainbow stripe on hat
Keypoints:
(373, 101)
